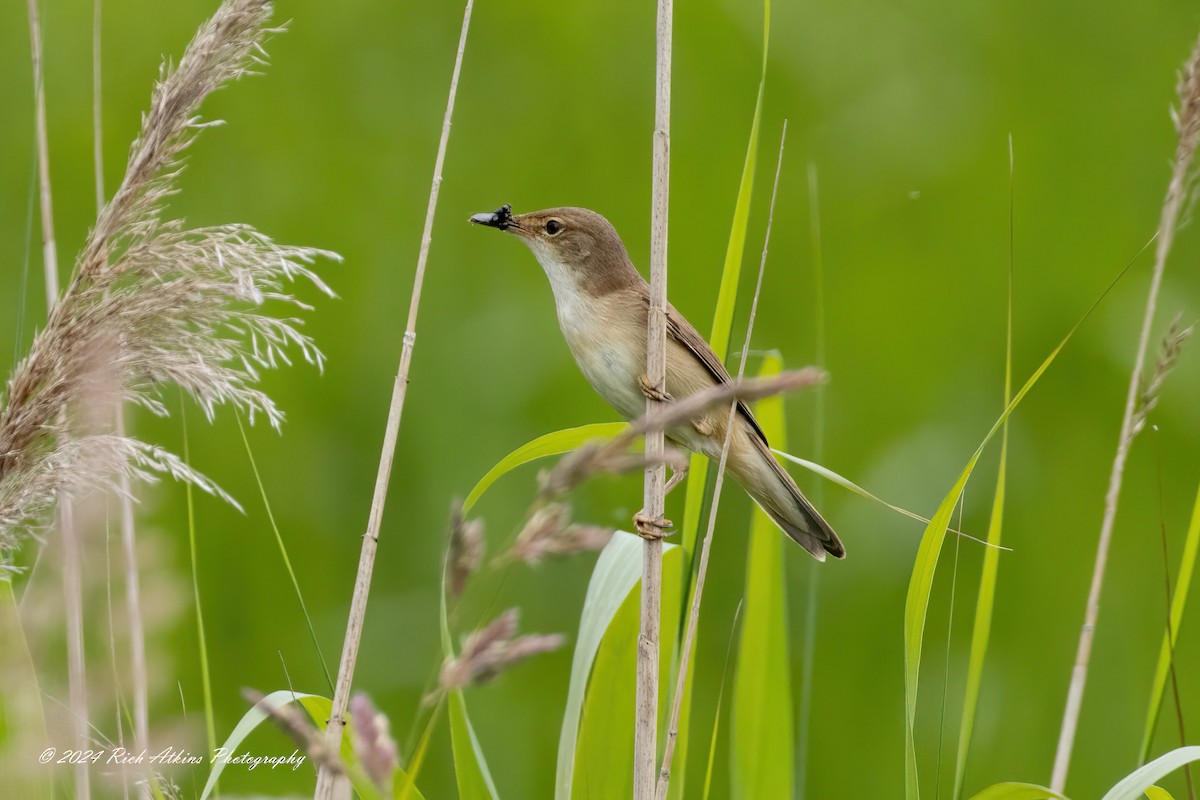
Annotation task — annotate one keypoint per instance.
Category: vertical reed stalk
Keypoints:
(645, 749)
(689, 639)
(133, 603)
(326, 778)
(1187, 122)
(72, 577)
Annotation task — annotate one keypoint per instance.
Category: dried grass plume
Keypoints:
(179, 305)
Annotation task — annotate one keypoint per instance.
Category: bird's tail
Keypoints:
(769, 484)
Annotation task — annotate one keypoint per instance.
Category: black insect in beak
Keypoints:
(501, 218)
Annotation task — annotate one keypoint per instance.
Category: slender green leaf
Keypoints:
(550, 444)
(762, 734)
(22, 724)
(1183, 583)
(287, 562)
(1158, 793)
(1135, 784)
(697, 485)
(982, 627)
(1017, 791)
(470, 766)
(613, 578)
(921, 583)
(474, 778)
(716, 728)
(602, 764)
(210, 727)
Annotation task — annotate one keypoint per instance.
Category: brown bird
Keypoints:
(603, 303)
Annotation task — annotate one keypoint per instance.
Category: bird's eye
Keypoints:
(553, 227)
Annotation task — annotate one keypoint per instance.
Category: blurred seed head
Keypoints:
(466, 549)
(488, 652)
(373, 742)
(549, 532)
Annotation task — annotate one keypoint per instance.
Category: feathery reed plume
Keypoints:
(488, 652)
(373, 742)
(1187, 126)
(183, 306)
(466, 549)
(549, 532)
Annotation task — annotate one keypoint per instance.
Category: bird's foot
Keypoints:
(648, 528)
(652, 392)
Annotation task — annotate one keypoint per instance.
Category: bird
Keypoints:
(603, 305)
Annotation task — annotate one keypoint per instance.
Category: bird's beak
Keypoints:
(502, 218)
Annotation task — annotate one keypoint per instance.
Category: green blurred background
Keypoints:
(905, 110)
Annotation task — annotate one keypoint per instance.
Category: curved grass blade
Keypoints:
(762, 733)
(1135, 784)
(982, 627)
(550, 444)
(470, 766)
(1158, 793)
(595, 754)
(1017, 791)
(318, 709)
(1183, 582)
(920, 584)
(613, 579)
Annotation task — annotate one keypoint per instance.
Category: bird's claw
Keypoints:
(648, 528)
(652, 392)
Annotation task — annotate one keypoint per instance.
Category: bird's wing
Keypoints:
(679, 329)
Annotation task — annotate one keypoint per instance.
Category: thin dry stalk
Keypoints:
(366, 562)
(689, 639)
(133, 604)
(72, 572)
(1187, 124)
(646, 731)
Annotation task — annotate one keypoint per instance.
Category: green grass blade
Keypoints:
(550, 444)
(982, 627)
(202, 640)
(601, 765)
(1135, 784)
(1017, 791)
(287, 562)
(22, 724)
(1183, 583)
(613, 578)
(1158, 793)
(716, 729)
(762, 734)
(470, 767)
(920, 584)
(727, 294)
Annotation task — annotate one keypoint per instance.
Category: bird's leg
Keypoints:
(651, 392)
(677, 476)
(658, 528)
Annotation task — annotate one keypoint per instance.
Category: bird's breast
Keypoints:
(610, 351)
